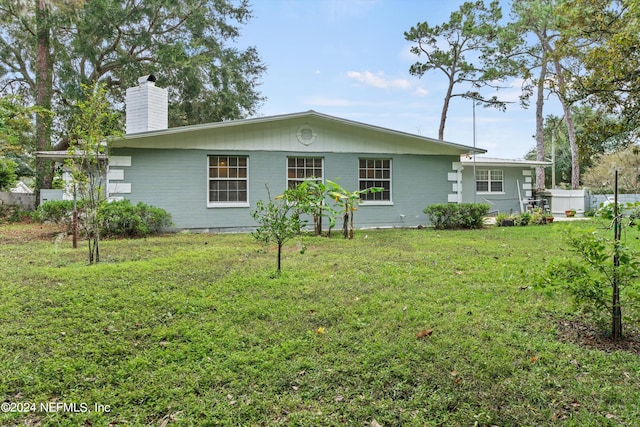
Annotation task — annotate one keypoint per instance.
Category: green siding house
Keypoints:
(209, 177)
(505, 185)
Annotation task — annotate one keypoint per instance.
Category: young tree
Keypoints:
(277, 222)
(88, 159)
(471, 56)
(8, 175)
(16, 127)
(16, 138)
(605, 271)
(348, 203)
(308, 197)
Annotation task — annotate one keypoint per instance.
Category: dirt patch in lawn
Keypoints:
(590, 336)
(23, 233)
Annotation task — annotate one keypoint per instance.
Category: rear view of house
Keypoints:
(210, 176)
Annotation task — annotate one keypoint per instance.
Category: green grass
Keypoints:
(196, 330)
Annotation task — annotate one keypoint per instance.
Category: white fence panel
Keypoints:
(564, 200)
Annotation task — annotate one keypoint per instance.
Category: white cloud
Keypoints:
(420, 91)
(379, 80)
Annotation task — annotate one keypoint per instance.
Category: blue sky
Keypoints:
(349, 58)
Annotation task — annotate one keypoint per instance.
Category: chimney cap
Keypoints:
(147, 79)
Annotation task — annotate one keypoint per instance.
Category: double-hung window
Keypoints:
(375, 173)
(228, 181)
(489, 181)
(300, 169)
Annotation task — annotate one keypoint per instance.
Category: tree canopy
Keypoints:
(465, 50)
(186, 43)
(584, 52)
(49, 49)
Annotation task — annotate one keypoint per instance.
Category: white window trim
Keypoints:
(489, 183)
(377, 202)
(246, 204)
(286, 169)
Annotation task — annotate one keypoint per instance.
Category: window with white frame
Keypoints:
(228, 181)
(489, 181)
(302, 168)
(375, 173)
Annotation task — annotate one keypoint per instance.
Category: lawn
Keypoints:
(396, 327)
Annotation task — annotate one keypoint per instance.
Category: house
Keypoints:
(507, 185)
(21, 188)
(209, 177)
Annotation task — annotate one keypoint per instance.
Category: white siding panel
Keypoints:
(115, 175)
(119, 160)
(331, 137)
(119, 188)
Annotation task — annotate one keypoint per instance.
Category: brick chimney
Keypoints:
(147, 106)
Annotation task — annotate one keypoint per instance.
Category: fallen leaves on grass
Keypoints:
(425, 333)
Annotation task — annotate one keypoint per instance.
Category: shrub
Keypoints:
(452, 216)
(123, 219)
(58, 212)
(117, 219)
(8, 175)
(523, 219)
(591, 275)
(11, 213)
(501, 217)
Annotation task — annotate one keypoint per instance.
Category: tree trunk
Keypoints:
(445, 109)
(345, 225)
(279, 257)
(566, 108)
(540, 177)
(616, 314)
(44, 91)
(575, 163)
(351, 226)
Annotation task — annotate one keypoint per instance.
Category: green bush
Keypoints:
(452, 216)
(117, 219)
(11, 213)
(123, 219)
(58, 212)
(8, 175)
(502, 217)
(523, 219)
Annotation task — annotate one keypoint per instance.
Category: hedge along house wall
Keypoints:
(24, 201)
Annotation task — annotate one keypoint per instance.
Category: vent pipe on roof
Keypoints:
(147, 106)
